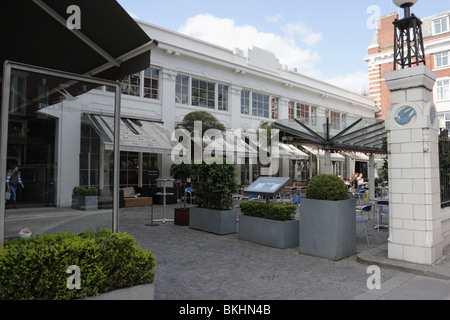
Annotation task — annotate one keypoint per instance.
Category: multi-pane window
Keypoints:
(291, 109)
(306, 113)
(182, 89)
(441, 59)
(245, 102)
(203, 93)
(222, 97)
(260, 105)
(146, 82)
(151, 83)
(131, 85)
(443, 90)
(440, 25)
(335, 120)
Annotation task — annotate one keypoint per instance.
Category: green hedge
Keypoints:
(327, 187)
(83, 191)
(35, 268)
(272, 211)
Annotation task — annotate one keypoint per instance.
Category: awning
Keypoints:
(109, 45)
(135, 135)
(288, 151)
(348, 133)
(321, 153)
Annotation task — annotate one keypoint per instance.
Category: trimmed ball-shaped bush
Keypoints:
(327, 187)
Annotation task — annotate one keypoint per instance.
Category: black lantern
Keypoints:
(408, 42)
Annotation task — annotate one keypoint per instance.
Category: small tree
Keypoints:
(181, 172)
(327, 187)
(215, 185)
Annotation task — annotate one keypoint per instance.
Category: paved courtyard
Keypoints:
(195, 265)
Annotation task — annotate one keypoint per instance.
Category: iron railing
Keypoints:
(444, 167)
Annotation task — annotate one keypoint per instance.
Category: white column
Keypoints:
(283, 108)
(414, 191)
(168, 115)
(327, 164)
(371, 176)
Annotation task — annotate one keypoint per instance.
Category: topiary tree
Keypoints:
(181, 172)
(327, 187)
(207, 119)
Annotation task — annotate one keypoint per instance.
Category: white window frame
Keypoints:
(440, 56)
(245, 108)
(188, 97)
(151, 89)
(443, 91)
(440, 19)
(222, 103)
(140, 87)
(253, 111)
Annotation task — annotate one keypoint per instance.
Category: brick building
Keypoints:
(436, 34)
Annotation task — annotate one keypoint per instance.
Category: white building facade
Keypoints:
(242, 89)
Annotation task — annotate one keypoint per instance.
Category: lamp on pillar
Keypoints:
(408, 38)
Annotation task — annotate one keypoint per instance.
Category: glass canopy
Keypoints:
(346, 133)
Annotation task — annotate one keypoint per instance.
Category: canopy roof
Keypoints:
(109, 45)
(348, 134)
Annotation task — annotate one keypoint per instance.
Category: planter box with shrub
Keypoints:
(327, 219)
(214, 190)
(85, 199)
(213, 221)
(36, 268)
(269, 224)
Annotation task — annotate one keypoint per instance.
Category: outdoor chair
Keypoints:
(253, 197)
(382, 210)
(191, 192)
(360, 217)
(297, 199)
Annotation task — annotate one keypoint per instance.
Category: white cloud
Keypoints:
(357, 82)
(226, 33)
(303, 33)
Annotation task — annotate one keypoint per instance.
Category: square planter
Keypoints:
(272, 233)
(328, 228)
(213, 221)
(86, 203)
(181, 216)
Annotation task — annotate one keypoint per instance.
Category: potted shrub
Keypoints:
(327, 219)
(181, 172)
(85, 198)
(214, 185)
(270, 224)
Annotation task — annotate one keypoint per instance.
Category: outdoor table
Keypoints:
(164, 194)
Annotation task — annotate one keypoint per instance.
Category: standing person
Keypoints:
(12, 181)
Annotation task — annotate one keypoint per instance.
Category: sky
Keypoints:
(325, 39)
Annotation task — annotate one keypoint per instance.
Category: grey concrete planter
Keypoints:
(272, 233)
(328, 228)
(213, 221)
(141, 292)
(86, 203)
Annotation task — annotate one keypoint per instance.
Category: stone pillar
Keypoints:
(327, 164)
(414, 191)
